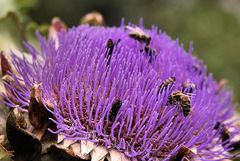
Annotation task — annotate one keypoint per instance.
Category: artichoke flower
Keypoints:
(120, 94)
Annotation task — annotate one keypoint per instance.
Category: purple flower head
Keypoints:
(127, 90)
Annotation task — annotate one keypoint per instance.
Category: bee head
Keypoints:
(110, 43)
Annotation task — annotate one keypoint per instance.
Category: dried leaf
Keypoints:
(25, 146)
(5, 155)
(81, 149)
(3, 117)
(86, 147)
(117, 156)
(99, 153)
(38, 114)
(61, 154)
(5, 65)
(184, 153)
(76, 147)
(67, 143)
(60, 138)
(48, 138)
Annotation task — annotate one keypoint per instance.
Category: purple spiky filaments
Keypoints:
(101, 87)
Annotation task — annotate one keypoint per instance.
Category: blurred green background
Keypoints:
(212, 25)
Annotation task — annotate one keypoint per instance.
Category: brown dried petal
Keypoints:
(116, 156)
(5, 65)
(38, 114)
(61, 154)
(5, 155)
(48, 140)
(25, 146)
(183, 153)
(3, 117)
(99, 153)
(87, 147)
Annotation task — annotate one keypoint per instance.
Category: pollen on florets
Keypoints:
(102, 85)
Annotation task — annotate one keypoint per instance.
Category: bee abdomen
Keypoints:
(224, 133)
(182, 100)
(186, 111)
(114, 110)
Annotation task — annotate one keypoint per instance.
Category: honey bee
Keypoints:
(235, 146)
(114, 110)
(190, 87)
(150, 51)
(184, 154)
(181, 100)
(224, 133)
(93, 18)
(138, 34)
(165, 84)
(225, 136)
(110, 47)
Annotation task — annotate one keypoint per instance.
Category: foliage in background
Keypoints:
(214, 32)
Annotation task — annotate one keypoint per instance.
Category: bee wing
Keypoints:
(141, 32)
(136, 30)
(129, 28)
(132, 30)
(190, 94)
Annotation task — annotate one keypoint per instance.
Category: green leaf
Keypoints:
(4, 154)
(11, 32)
(7, 5)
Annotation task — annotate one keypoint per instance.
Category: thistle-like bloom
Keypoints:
(128, 91)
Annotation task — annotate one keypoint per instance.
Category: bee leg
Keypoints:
(150, 55)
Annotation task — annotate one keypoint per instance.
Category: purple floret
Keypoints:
(83, 84)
